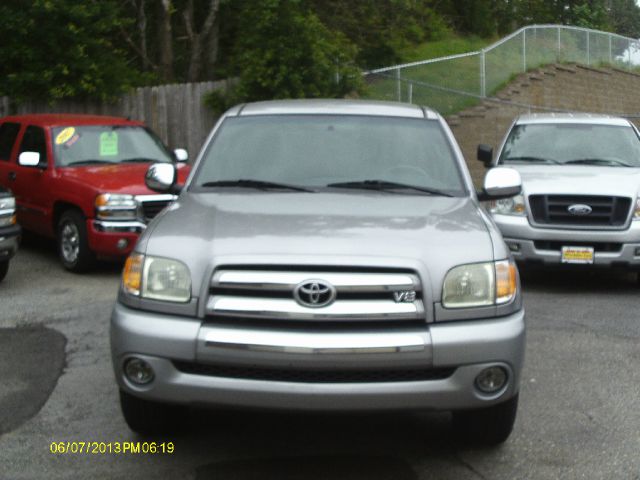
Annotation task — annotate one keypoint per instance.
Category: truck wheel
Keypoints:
(73, 244)
(489, 426)
(150, 418)
(4, 268)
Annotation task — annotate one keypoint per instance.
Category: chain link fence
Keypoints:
(453, 83)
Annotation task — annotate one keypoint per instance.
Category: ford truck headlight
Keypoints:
(156, 278)
(480, 284)
(116, 206)
(508, 206)
(7, 211)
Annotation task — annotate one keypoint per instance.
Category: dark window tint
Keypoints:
(34, 141)
(8, 133)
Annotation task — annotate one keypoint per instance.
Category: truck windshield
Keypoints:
(572, 144)
(321, 151)
(87, 145)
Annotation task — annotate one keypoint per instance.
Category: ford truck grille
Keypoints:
(357, 295)
(605, 211)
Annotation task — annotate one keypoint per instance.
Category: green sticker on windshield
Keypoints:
(108, 144)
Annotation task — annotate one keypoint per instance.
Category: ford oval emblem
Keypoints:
(314, 293)
(579, 209)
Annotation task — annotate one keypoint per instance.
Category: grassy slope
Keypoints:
(465, 78)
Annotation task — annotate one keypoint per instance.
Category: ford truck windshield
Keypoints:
(572, 144)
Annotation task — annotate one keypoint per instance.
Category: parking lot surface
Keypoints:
(579, 413)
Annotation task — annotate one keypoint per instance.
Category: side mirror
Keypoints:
(485, 154)
(501, 182)
(29, 159)
(161, 177)
(181, 155)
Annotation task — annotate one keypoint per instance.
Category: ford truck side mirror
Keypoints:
(162, 177)
(485, 154)
(501, 182)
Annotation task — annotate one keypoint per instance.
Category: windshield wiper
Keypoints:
(138, 160)
(383, 185)
(260, 184)
(88, 162)
(598, 161)
(532, 160)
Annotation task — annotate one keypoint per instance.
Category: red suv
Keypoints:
(80, 179)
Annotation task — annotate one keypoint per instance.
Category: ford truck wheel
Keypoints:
(73, 244)
(150, 418)
(486, 426)
(4, 268)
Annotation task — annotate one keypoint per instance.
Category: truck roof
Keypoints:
(61, 119)
(333, 107)
(593, 118)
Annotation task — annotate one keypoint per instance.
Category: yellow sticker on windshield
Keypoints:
(108, 144)
(65, 135)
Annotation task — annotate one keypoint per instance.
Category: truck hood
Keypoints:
(579, 180)
(427, 233)
(122, 178)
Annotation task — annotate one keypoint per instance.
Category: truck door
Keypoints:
(30, 184)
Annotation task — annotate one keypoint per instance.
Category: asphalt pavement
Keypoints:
(579, 413)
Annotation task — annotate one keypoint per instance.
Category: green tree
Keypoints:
(284, 51)
(64, 48)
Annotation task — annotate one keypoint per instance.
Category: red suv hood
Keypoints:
(122, 178)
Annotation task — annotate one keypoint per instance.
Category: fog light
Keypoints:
(491, 380)
(637, 252)
(138, 371)
(514, 247)
(122, 244)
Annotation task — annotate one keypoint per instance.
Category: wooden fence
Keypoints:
(175, 112)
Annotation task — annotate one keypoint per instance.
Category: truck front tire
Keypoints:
(4, 268)
(150, 418)
(488, 426)
(73, 242)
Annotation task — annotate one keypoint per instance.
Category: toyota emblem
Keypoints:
(314, 293)
(579, 209)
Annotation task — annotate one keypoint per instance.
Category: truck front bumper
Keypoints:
(113, 239)
(9, 240)
(528, 244)
(456, 351)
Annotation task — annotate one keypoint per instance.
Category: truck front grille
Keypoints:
(284, 294)
(606, 211)
(152, 205)
(315, 376)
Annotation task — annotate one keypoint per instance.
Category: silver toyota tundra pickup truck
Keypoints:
(581, 185)
(323, 255)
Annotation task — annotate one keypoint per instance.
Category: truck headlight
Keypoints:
(508, 206)
(116, 206)
(156, 278)
(480, 284)
(636, 211)
(7, 211)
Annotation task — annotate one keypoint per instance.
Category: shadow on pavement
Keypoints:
(31, 360)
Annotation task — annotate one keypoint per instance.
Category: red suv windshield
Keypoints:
(86, 145)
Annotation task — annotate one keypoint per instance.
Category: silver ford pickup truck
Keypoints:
(581, 185)
(323, 255)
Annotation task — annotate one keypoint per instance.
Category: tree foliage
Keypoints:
(63, 48)
(284, 51)
(56, 49)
